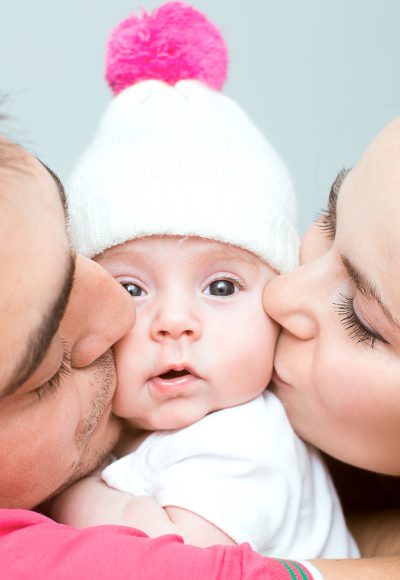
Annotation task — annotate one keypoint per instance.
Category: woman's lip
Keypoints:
(172, 386)
(277, 379)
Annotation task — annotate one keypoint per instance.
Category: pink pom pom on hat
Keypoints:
(175, 156)
(175, 42)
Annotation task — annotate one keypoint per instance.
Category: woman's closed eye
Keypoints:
(357, 329)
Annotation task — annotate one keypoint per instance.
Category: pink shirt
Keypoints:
(33, 546)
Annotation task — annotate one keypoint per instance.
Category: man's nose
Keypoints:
(292, 299)
(175, 317)
(99, 312)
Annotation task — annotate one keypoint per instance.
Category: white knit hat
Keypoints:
(176, 157)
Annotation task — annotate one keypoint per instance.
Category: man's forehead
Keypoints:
(16, 164)
(36, 264)
(33, 242)
(14, 158)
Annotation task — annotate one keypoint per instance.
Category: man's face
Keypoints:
(59, 316)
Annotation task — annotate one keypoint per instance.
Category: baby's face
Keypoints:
(201, 341)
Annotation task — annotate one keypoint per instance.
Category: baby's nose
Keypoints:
(174, 322)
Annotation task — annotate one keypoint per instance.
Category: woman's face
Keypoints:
(337, 366)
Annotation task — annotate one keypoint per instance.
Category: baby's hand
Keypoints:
(88, 502)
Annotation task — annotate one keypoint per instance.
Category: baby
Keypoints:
(189, 207)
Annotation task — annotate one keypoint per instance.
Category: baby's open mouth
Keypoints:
(172, 382)
(174, 374)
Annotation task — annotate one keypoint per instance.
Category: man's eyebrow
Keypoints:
(366, 287)
(40, 339)
(59, 184)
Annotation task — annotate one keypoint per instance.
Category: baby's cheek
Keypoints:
(266, 348)
(120, 401)
(258, 347)
(118, 404)
(128, 357)
(268, 330)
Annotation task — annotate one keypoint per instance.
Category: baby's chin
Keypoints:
(162, 421)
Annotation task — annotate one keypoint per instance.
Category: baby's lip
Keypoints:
(176, 371)
(173, 381)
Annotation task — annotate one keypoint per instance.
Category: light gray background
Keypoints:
(320, 77)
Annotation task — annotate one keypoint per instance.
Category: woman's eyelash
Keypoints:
(357, 330)
(325, 222)
(52, 385)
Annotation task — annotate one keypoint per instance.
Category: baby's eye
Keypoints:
(134, 289)
(220, 288)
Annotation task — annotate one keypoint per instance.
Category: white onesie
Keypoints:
(246, 471)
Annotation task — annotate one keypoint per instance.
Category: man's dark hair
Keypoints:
(9, 158)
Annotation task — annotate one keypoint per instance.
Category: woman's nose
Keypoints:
(291, 299)
(175, 318)
(99, 312)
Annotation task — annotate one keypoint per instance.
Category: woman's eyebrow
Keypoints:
(327, 218)
(366, 287)
(335, 189)
(340, 177)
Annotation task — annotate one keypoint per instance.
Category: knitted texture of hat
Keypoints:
(172, 155)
